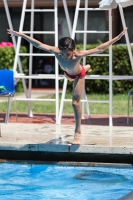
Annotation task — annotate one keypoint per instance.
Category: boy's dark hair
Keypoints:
(66, 43)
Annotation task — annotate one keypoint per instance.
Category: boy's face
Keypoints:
(66, 54)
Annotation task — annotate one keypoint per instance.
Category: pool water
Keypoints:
(48, 181)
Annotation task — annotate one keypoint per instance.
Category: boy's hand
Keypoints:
(122, 33)
(12, 33)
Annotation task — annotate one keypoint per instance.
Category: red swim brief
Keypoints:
(80, 75)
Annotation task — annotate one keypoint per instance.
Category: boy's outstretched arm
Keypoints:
(102, 47)
(34, 42)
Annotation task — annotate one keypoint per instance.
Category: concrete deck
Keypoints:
(98, 143)
(39, 138)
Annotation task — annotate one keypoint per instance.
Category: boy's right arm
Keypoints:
(34, 42)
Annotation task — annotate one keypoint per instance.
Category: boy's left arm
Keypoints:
(102, 47)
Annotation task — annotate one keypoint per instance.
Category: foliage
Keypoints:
(100, 66)
(7, 55)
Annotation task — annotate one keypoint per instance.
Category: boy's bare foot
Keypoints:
(87, 67)
(76, 139)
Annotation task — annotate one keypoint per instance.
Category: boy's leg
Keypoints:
(78, 87)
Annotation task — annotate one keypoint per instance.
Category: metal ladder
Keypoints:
(85, 31)
(30, 54)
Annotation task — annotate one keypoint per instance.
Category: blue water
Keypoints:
(41, 181)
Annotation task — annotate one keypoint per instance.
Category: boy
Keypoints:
(69, 60)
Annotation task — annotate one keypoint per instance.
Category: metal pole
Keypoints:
(56, 62)
(14, 43)
(84, 47)
(75, 18)
(126, 35)
(110, 70)
(67, 16)
(62, 100)
(18, 45)
(30, 58)
(65, 80)
(19, 38)
(85, 29)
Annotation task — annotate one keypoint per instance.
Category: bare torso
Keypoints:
(71, 66)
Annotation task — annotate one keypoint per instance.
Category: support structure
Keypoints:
(14, 42)
(106, 4)
(126, 35)
(30, 54)
(85, 31)
(56, 76)
(110, 77)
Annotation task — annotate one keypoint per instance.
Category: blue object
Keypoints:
(7, 80)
